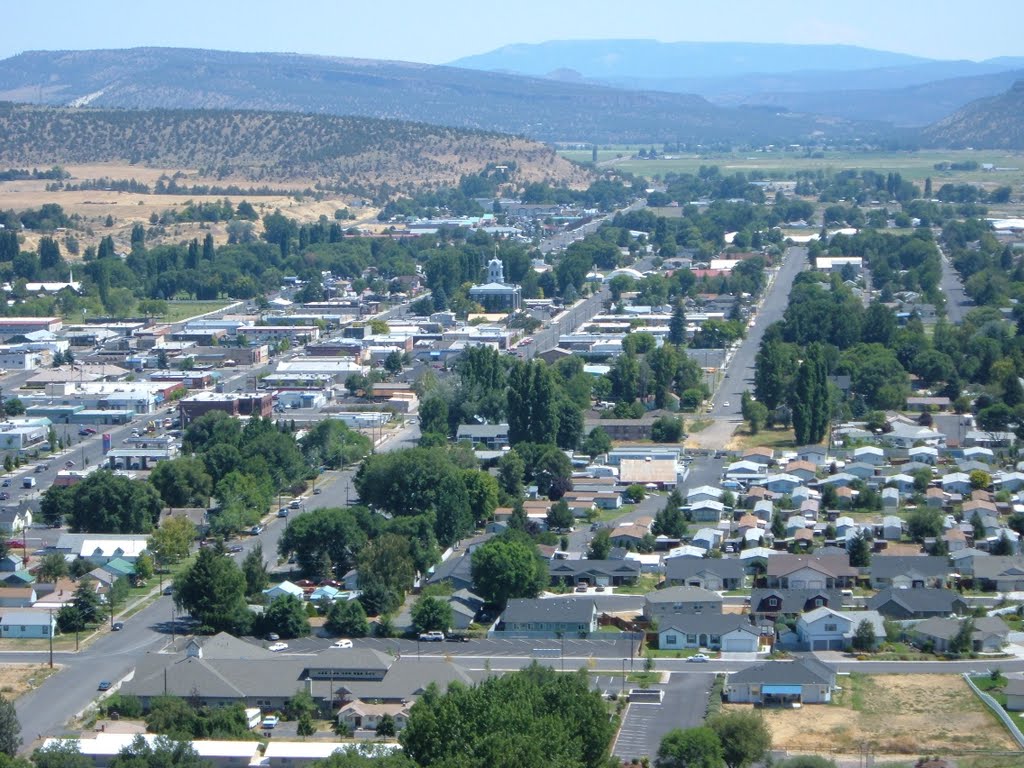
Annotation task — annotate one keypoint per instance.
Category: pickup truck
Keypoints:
(270, 722)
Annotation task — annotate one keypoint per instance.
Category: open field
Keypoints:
(16, 679)
(766, 438)
(130, 208)
(895, 714)
(915, 166)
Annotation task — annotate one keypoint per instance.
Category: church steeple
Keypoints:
(495, 271)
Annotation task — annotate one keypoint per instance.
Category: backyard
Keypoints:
(894, 714)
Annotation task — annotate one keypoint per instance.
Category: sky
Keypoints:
(440, 31)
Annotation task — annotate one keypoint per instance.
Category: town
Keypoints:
(343, 440)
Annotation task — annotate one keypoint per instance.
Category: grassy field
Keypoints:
(182, 310)
(915, 166)
(767, 438)
(16, 679)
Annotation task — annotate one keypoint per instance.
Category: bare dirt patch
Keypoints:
(895, 715)
(16, 679)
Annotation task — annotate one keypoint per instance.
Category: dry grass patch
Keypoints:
(16, 679)
(895, 715)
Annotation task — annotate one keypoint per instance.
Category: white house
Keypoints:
(282, 589)
(869, 454)
(825, 629)
(25, 624)
(728, 633)
(926, 454)
(892, 528)
(956, 482)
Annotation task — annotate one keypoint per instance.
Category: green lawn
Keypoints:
(182, 310)
(647, 582)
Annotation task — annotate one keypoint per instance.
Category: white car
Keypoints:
(343, 643)
(725, 404)
(277, 647)
(699, 657)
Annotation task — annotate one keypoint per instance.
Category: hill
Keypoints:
(349, 153)
(549, 110)
(996, 122)
(614, 59)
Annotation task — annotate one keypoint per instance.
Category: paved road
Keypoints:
(957, 302)
(739, 375)
(645, 725)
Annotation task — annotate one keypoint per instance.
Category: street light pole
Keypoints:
(49, 631)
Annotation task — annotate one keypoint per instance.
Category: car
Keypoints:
(105, 685)
(599, 589)
(726, 404)
(4, 495)
(6, 483)
(117, 626)
(83, 432)
(270, 722)
(277, 647)
(42, 468)
(581, 588)
(69, 464)
(169, 589)
(343, 643)
(272, 636)
(90, 431)
(699, 657)
(282, 512)
(432, 637)
(234, 548)
(317, 491)
(256, 530)
(457, 639)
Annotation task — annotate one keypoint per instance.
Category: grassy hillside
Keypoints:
(995, 122)
(343, 152)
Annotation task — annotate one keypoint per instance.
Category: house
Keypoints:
(907, 435)
(1000, 573)
(493, 436)
(784, 483)
(890, 498)
(282, 589)
(811, 572)
(706, 511)
(926, 454)
(861, 470)
(772, 603)
(10, 563)
(729, 632)
(804, 470)
(362, 715)
(26, 624)
(869, 454)
(707, 538)
(825, 629)
(909, 572)
(552, 617)
(956, 482)
(1014, 690)
(935, 497)
(813, 454)
(713, 575)
(660, 473)
(14, 520)
(955, 539)
(704, 493)
(628, 536)
(901, 482)
(892, 528)
(989, 636)
(664, 605)
(917, 603)
(17, 597)
(781, 683)
(604, 573)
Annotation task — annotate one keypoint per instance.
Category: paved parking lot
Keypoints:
(644, 725)
(615, 647)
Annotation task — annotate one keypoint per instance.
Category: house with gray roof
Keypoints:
(989, 636)
(493, 436)
(663, 605)
(711, 574)
(604, 573)
(781, 683)
(550, 617)
(1003, 573)
(771, 604)
(917, 603)
(909, 571)
(727, 632)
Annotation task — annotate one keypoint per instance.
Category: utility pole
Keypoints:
(49, 631)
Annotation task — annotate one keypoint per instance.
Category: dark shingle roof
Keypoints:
(886, 567)
(917, 600)
(801, 672)
(563, 610)
(685, 567)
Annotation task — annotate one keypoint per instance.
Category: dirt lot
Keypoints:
(16, 679)
(895, 714)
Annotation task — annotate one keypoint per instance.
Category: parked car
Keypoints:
(277, 647)
(4, 495)
(6, 483)
(256, 530)
(432, 637)
(69, 464)
(282, 512)
(699, 657)
(234, 548)
(104, 685)
(343, 643)
(317, 491)
(117, 626)
(273, 636)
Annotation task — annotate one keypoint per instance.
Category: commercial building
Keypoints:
(233, 403)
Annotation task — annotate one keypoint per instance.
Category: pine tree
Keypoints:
(677, 325)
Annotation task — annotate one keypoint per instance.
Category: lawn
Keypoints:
(766, 438)
(182, 310)
(699, 425)
(894, 714)
(16, 679)
(646, 582)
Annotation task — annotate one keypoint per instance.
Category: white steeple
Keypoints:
(495, 271)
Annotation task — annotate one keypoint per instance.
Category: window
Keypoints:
(698, 608)
(773, 602)
(830, 627)
(691, 639)
(818, 602)
(671, 639)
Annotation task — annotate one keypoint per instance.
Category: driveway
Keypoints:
(644, 725)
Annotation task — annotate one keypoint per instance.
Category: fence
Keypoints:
(1001, 713)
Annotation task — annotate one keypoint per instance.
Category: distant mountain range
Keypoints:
(546, 109)
(838, 80)
(605, 92)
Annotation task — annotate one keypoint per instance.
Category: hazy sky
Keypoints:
(438, 31)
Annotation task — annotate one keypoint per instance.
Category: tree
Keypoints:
(670, 521)
(506, 567)
(560, 517)
(778, 525)
(333, 444)
(52, 567)
(107, 503)
(255, 571)
(806, 761)
(286, 616)
(386, 726)
(667, 429)
(860, 550)
(434, 415)
(924, 523)
(978, 526)
(864, 636)
(1003, 546)
(144, 568)
(61, 753)
(182, 482)
(56, 505)
(596, 443)
(431, 613)
(757, 415)
(744, 736)
(87, 601)
(690, 748)
(212, 590)
(677, 325)
(10, 728)
(532, 403)
(348, 619)
(511, 471)
(305, 727)
(600, 545)
(172, 541)
(963, 640)
(163, 752)
(385, 573)
(980, 479)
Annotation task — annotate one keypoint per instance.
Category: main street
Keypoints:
(739, 369)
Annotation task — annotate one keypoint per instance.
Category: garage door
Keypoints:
(820, 645)
(739, 645)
